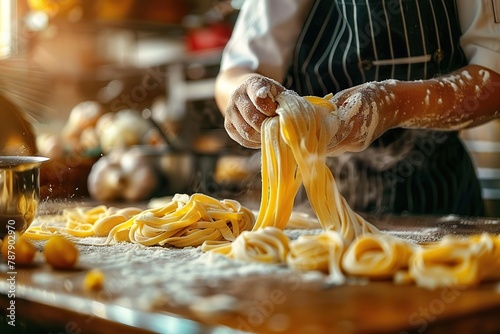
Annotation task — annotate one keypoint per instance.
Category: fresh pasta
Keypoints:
(303, 129)
(187, 221)
(293, 154)
(267, 245)
(183, 221)
(83, 222)
(322, 252)
(455, 261)
(377, 256)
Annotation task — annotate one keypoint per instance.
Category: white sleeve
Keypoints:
(480, 23)
(264, 36)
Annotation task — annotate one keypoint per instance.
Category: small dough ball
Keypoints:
(20, 252)
(93, 280)
(60, 253)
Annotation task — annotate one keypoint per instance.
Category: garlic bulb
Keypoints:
(123, 174)
(125, 129)
(84, 115)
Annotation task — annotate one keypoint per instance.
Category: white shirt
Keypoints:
(253, 47)
(480, 33)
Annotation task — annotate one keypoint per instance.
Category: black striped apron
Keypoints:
(349, 42)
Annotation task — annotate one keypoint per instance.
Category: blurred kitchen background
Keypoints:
(120, 96)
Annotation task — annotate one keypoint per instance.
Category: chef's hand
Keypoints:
(361, 116)
(249, 105)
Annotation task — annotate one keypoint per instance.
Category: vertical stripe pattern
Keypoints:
(349, 42)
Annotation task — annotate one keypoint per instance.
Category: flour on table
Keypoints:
(146, 276)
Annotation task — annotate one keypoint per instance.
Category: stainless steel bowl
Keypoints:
(19, 192)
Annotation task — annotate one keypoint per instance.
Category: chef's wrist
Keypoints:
(227, 82)
(390, 105)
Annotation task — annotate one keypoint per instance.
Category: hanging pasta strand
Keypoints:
(280, 178)
(303, 128)
(294, 153)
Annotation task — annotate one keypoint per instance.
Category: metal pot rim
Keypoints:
(9, 161)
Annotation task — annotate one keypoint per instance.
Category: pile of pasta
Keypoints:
(293, 154)
(184, 221)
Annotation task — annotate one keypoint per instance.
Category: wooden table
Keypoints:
(281, 302)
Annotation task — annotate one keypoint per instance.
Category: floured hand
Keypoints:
(362, 116)
(250, 104)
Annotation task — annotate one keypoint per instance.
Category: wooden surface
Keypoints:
(53, 301)
(274, 305)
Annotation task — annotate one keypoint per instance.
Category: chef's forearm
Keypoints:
(465, 98)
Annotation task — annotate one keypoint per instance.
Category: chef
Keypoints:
(406, 76)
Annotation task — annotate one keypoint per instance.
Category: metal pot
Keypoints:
(19, 192)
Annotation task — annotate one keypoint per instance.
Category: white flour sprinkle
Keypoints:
(263, 93)
(485, 75)
(147, 276)
(451, 82)
(373, 122)
(466, 74)
(219, 303)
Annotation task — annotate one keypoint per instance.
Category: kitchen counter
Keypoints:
(167, 290)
